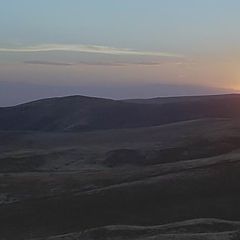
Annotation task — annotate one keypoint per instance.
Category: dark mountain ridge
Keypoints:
(80, 113)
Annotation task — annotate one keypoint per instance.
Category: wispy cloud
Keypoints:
(103, 63)
(49, 63)
(88, 49)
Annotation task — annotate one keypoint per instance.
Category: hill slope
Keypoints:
(53, 184)
(200, 229)
(78, 113)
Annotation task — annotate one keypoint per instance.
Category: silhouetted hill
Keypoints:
(79, 113)
(200, 98)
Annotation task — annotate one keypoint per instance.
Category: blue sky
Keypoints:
(171, 25)
(143, 41)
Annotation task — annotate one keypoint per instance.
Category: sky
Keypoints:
(118, 49)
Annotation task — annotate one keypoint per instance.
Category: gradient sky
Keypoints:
(107, 47)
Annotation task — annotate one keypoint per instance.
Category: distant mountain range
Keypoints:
(80, 113)
(13, 93)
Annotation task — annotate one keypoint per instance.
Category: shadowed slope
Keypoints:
(197, 229)
(78, 113)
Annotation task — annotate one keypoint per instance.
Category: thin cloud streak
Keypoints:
(88, 49)
(49, 63)
(113, 64)
(74, 64)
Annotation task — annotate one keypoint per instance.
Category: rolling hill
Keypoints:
(79, 113)
(197, 229)
(89, 168)
(64, 184)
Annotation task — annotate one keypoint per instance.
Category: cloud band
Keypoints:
(88, 49)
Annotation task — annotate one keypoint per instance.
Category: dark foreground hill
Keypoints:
(91, 185)
(78, 113)
(96, 169)
(197, 229)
